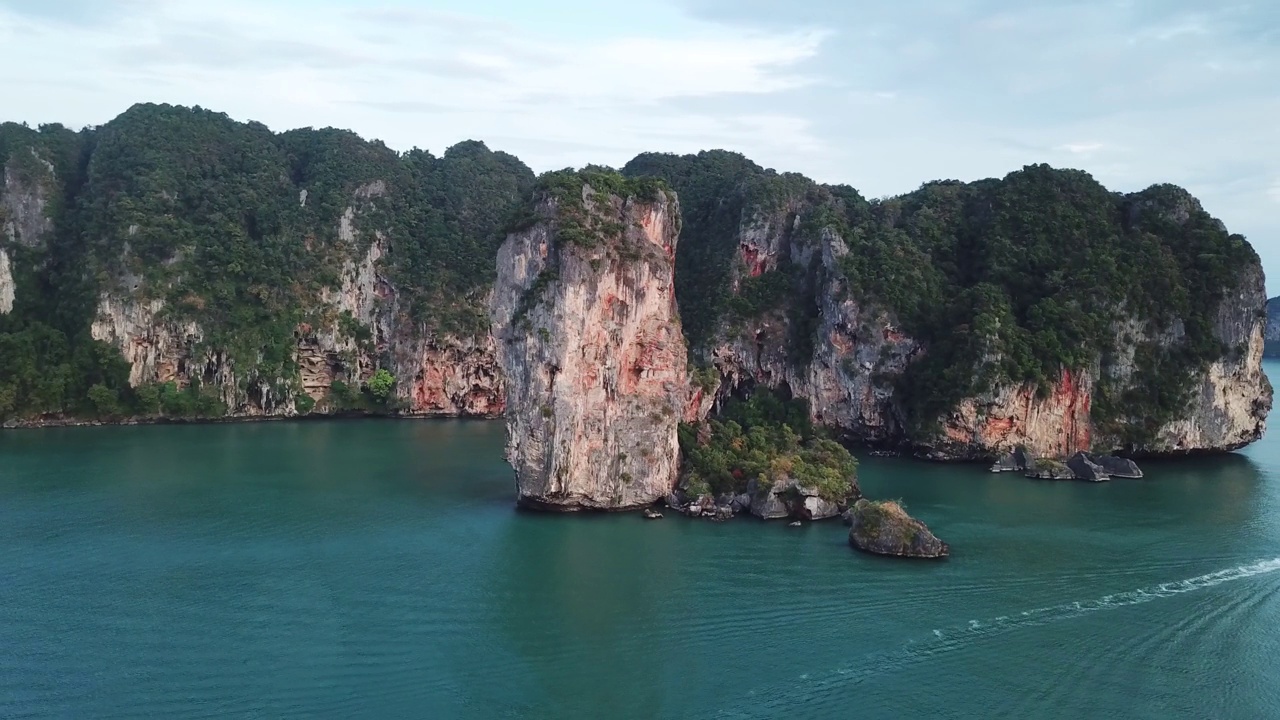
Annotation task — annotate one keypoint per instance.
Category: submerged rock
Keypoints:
(651, 514)
(885, 528)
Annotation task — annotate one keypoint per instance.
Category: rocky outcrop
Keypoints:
(885, 528)
(1080, 466)
(791, 500)
(1116, 466)
(158, 350)
(7, 287)
(1084, 468)
(590, 344)
(1232, 399)
(28, 182)
(1272, 333)
(24, 199)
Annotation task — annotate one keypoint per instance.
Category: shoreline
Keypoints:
(49, 423)
(879, 451)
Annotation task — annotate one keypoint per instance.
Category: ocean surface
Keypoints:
(354, 569)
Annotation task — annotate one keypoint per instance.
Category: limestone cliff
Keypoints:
(28, 185)
(25, 199)
(351, 330)
(590, 343)
(857, 350)
(7, 287)
(857, 359)
(1272, 334)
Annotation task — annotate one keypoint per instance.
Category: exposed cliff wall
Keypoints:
(590, 343)
(7, 286)
(350, 331)
(856, 351)
(28, 183)
(25, 199)
(1272, 333)
(203, 267)
(896, 345)
(1229, 404)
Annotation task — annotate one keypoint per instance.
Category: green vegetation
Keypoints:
(887, 519)
(718, 192)
(585, 220)
(381, 385)
(1003, 281)
(240, 230)
(768, 439)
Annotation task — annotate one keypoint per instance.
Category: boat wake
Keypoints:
(815, 687)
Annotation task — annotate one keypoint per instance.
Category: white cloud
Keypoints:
(414, 77)
(1273, 192)
(1082, 148)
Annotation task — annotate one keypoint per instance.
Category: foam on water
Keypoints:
(948, 639)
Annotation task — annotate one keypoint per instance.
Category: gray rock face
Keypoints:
(791, 500)
(858, 350)
(1005, 464)
(1016, 461)
(590, 343)
(29, 183)
(884, 528)
(8, 290)
(26, 185)
(1084, 468)
(1117, 466)
(770, 505)
(815, 508)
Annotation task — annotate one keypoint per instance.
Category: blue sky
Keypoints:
(880, 95)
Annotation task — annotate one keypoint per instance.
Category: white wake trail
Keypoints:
(946, 640)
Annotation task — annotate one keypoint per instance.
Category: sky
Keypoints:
(880, 95)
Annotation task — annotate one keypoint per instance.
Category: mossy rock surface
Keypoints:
(885, 528)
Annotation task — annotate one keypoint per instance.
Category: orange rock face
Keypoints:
(595, 365)
(1054, 425)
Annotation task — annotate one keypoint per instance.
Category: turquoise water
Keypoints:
(378, 569)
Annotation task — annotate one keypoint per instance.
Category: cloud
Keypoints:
(1273, 192)
(1136, 93)
(75, 12)
(1082, 148)
(600, 89)
(883, 96)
